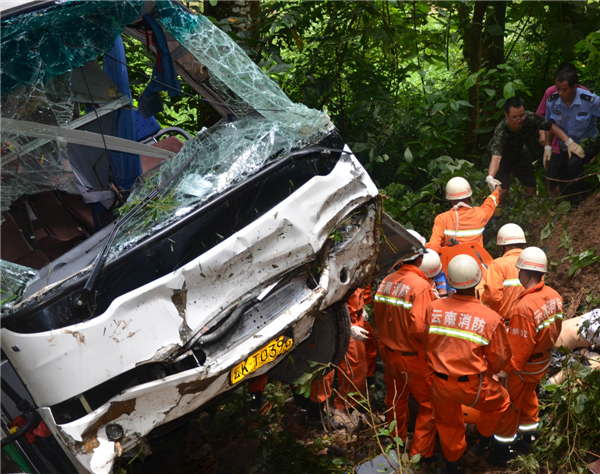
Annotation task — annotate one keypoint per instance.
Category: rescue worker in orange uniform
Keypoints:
(352, 375)
(465, 343)
(371, 341)
(534, 328)
(431, 267)
(400, 305)
(256, 387)
(463, 223)
(502, 285)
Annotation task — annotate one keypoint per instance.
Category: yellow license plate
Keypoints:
(267, 354)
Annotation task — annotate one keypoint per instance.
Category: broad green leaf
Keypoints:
(408, 156)
(495, 30)
(546, 231)
(509, 90)
(563, 208)
(490, 92)
(580, 402)
(464, 103)
(471, 80)
(481, 130)
(213, 3)
(437, 107)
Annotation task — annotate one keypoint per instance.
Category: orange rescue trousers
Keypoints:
(258, 384)
(524, 399)
(352, 379)
(404, 374)
(449, 395)
(370, 349)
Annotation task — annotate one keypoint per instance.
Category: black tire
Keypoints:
(328, 342)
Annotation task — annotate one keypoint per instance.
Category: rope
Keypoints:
(478, 391)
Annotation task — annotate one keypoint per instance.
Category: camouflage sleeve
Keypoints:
(496, 144)
(541, 123)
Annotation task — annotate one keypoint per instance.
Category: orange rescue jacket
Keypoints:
(355, 306)
(534, 328)
(502, 285)
(400, 305)
(471, 224)
(463, 337)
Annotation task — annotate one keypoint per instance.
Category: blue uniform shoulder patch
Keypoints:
(553, 97)
(589, 98)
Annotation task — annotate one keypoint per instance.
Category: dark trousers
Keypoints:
(561, 167)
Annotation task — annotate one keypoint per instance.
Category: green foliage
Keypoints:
(314, 372)
(156, 210)
(279, 450)
(417, 209)
(582, 260)
(563, 208)
(187, 111)
(570, 424)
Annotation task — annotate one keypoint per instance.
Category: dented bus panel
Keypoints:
(240, 245)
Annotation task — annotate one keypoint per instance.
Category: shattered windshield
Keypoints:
(13, 280)
(48, 58)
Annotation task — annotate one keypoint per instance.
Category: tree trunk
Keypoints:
(472, 36)
(493, 43)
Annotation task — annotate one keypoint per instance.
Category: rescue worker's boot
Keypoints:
(525, 443)
(429, 464)
(479, 449)
(452, 467)
(256, 401)
(498, 211)
(500, 455)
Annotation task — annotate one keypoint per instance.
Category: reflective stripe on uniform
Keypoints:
(393, 301)
(502, 439)
(494, 199)
(546, 323)
(458, 333)
(512, 282)
(532, 427)
(559, 315)
(464, 233)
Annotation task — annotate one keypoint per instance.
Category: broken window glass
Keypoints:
(41, 52)
(48, 60)
(13, 280)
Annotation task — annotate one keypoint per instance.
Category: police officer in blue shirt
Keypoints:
(574, 110)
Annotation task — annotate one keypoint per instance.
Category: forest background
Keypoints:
(416, 89)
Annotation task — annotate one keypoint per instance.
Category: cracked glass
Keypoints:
(43, 50)
(13, 280)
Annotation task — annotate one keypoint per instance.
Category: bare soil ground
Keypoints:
(583, 229)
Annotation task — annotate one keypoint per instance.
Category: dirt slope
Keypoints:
(579, 230)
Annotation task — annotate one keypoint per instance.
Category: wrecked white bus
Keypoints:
(147, 272)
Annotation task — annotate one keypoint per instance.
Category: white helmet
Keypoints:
(463, 272)
(510, 234)
(432, 265)
(533, 258)
(420, 238)
(458, 188)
